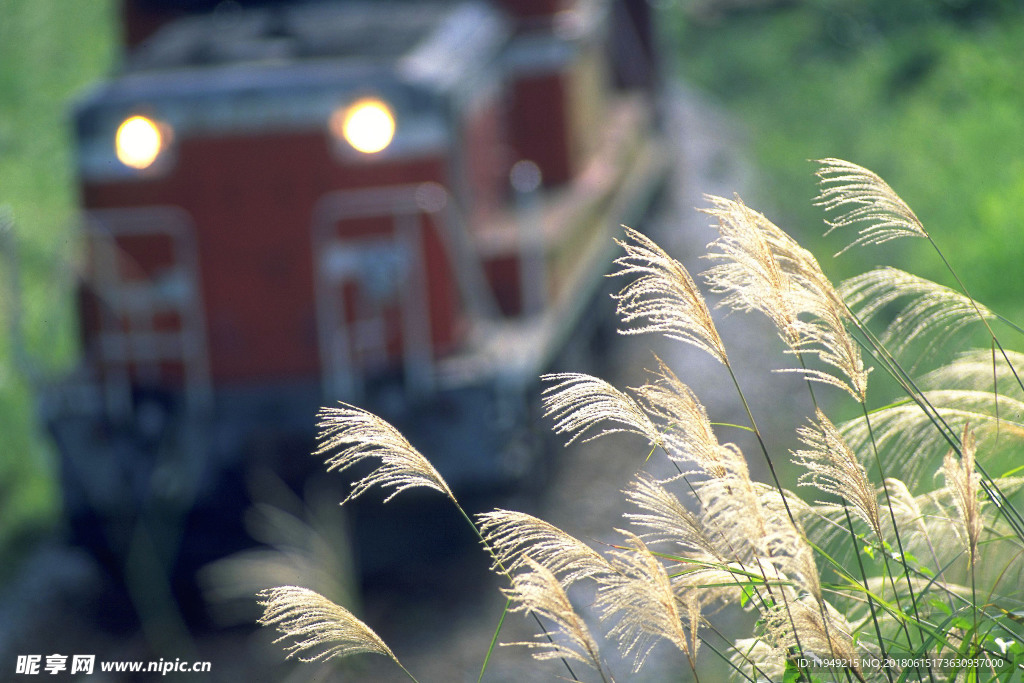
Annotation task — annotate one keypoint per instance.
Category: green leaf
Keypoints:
(962, 623)
(1010, 473)
(747, 592)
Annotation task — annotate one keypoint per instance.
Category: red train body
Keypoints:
(259, 265)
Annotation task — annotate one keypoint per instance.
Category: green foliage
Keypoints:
(48, 50)
(904, 563)
(927, 93)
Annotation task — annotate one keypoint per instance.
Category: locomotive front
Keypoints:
(252, 175)
(299, 204)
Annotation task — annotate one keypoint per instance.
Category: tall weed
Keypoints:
(905, 561)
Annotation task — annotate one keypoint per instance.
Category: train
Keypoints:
(407, 206)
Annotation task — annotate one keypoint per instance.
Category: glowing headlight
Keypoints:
(368, 125)
(139, 141)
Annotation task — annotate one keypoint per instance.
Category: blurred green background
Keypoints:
(928, 93)
(49, 50)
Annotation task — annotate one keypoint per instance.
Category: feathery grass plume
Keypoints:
(706, 571)
(298, 546)
(358, 434)
(754, 523)
(761, 268)
(871, 205)
(322, 630)
(538, 590)
(973, 369)
(833, 468)
(667, 519)
(833, 344)
(813, 626)
(731, 508)
(579, 402)
(710, 566)
(686, 431)
(906, 429)
(759, 257)
(640, 599)
(931, 516)
(905, 506)
(942, 534)
(663, 297)
(788, 548)
(962, 483)
(748, 274)
(517, 538)
(932, 309)
(710, 584)
(755, 660)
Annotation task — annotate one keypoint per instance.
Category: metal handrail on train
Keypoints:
(130, 301)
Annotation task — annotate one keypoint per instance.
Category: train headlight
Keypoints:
(367, 124)
(139, 141)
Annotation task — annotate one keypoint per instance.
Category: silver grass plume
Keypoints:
(731, 506)
(685, 429)
(578, 402)
(740, 521)
(756, 660)
(942, 529)
(833, 468)
(962, 483)
(640, 600)
(870, 204)
(663, 297)
(538, 590)
(931, 518)
(295, 549)
(931, 309)
(813, 626)
(729, 496)
(932, 532)
(761, 268)
(357, 435)
(709, 583)
(946, 530)
(833, 344)
(905, 506)
(906, 429)
(787, 543)
(706, 572)
(667, 520)
(321, 629)
(748, 273)
(756, 527)
(516, 539)
(973, 369)
(940, 519)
